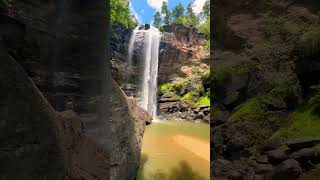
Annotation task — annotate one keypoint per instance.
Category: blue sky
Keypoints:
(144, 9)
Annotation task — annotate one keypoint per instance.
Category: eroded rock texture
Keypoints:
(178, 46)
(260, 75)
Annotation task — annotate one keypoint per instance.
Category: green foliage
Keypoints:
(120, 14)
(165, 11)
(204, 28)
(178, 11)
(205, 13)
(309, 43)
(190, 12)
(157, 19)
(206, 44)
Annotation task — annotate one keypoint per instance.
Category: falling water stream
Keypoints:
(151, 40)
(171, 150)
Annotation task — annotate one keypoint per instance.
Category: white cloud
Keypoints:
(197, 6)
(135, 13)
(156, 4)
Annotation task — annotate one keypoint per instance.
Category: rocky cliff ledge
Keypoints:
(179, 45)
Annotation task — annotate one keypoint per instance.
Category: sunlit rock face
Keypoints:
(178, 45)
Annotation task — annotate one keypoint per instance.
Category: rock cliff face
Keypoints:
(178, 46)
(62, 116)
(257, 82)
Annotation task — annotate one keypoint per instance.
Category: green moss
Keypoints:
(253, 119)
(171, 95)
(174, 86)
(167, 87)
(252, 110)
(189, 98)
(302, 125)
(226, 71)
(203, 101)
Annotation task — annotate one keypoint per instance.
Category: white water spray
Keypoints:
(131, 45)
(151, 39)
(149, 85)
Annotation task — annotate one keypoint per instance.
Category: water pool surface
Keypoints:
(175, 150)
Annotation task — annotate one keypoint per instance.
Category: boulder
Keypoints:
(271, 145)
(288, 169)
(276, 156)
(297, 144)
(263, 168)
(306, 156)
(171, 107)
(262, 159)
(138, 113)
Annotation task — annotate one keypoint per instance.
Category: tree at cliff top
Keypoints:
(120, 14)
(157, 19)
(165, 11)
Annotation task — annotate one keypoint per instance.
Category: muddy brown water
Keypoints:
(175, 150)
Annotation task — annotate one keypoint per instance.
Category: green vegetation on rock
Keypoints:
(190, 90)
(303, 123)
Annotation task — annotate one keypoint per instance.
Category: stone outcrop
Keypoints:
(178, 46)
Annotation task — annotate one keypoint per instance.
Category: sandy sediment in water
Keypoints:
(194, 145)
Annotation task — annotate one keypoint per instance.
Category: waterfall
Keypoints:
(149, 84)
(149, 59)
(130, 48)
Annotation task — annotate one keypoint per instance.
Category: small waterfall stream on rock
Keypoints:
(151, 40)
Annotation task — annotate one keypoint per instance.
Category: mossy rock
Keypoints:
(230, 66)
(254, 120)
